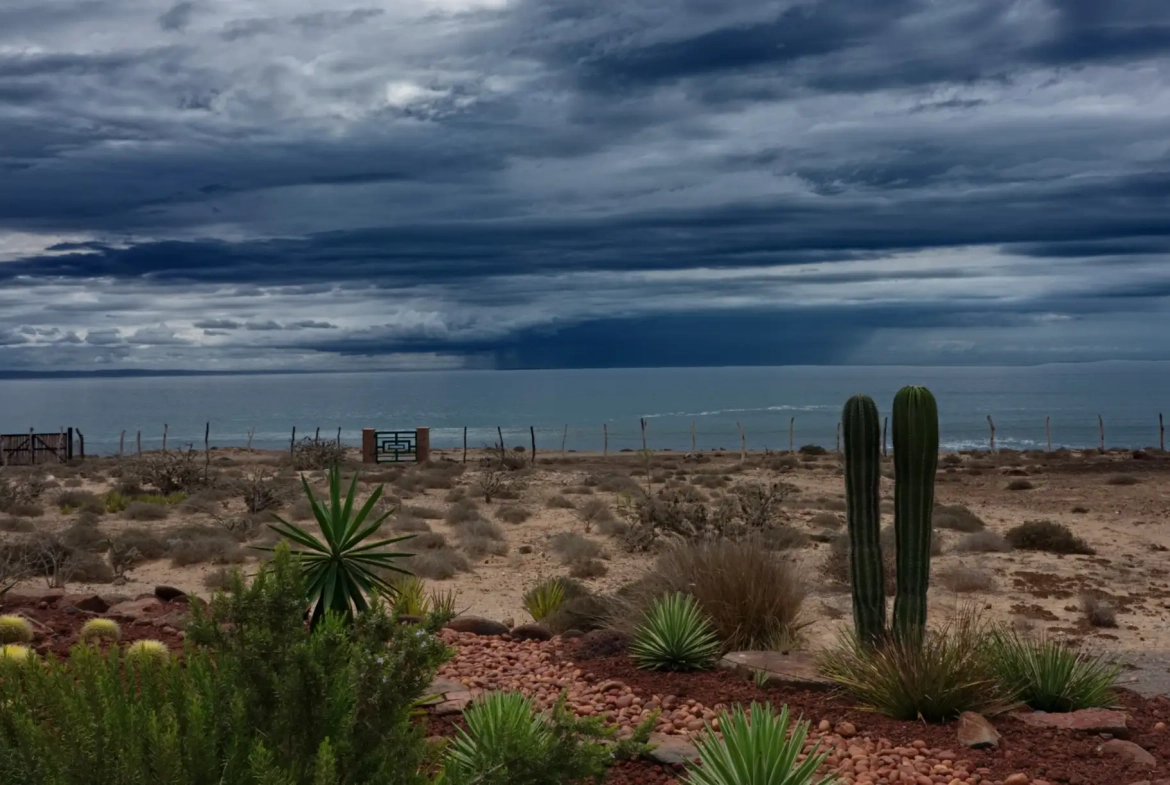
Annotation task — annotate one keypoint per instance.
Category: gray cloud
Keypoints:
(481, 182)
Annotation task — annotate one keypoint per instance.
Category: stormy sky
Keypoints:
(290, 184)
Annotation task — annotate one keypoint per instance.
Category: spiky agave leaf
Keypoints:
(340, 567)
(676, 635)
(755, 750)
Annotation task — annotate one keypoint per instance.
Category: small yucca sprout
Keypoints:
(97, 630)
(14, 629)
(14, 653)
(154, 651)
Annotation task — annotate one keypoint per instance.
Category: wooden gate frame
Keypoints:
(23, 449)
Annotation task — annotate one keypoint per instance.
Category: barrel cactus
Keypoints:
(15, 629)
(915, 437)
(862, 438)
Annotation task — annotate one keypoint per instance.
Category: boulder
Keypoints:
(170, 594)
(531, 632)
(133, 610)
(671, 750)
(976, 732)
(792, 669)
(91, 603)
(477, 625)
(1108, 721)
(1127, 751)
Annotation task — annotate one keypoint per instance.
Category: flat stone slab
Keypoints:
(794, 669)
(671, 750)
(1086, 720)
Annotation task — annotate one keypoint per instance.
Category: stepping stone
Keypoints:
(671, 750)
(1085, 720)
(454, 703)
(976, 732)
(794, 669)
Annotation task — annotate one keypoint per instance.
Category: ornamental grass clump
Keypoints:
(935, 679)
(756, 749)
(675, 635)
(98, 630)
(15, 629)
(544, 598)
(1051, 675)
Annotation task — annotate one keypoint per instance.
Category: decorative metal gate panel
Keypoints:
(396, 446)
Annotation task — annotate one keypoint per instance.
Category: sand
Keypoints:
(1122, 519)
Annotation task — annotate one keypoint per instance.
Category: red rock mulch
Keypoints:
(57, 618)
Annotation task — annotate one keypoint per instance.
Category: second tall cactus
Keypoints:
(915, 432)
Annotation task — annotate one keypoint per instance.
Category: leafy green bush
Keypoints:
(949, 673)
(507, 742)
(342, 571)
(676, 635)
(755, 750)
(1050, 675)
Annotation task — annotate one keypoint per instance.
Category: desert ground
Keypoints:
(570, 515)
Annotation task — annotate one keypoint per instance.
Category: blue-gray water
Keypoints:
(1128, 395)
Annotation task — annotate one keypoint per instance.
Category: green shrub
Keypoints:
(72, 500)
(675, 635)
(507, 742)
(1047, 536)
(756, 749)
(948, 674)
(1050, 675)
(544, 598)
(116, 501)
(145, 511)
(342, 569)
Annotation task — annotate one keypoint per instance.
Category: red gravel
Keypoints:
(57, 628)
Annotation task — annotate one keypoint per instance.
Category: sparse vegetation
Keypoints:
(1098, 613)
(957, 517)
(985, 541)
(1047, 536)
(170, 471)
(827, 520)
(259, 491)
(422, 512)
(1020, 484)
(438, 564)
(560, 502)
(511, 513)
(462, 511)
(572, 547)
(145, 511)
(311, 454)
(962, 579)
(1122, 479)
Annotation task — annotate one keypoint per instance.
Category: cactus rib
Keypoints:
(862, 438)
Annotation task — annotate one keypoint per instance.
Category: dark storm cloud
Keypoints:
(561, 182)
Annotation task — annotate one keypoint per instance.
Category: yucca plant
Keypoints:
(500, 725)
(544, 598)
(676, 635)
(443, 604)
(756, 749)
(936, 679)
(1050, 675)
(341, 569)
(96, 630)
(410, 596)
(15, 629)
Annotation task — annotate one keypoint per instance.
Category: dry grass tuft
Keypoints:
(560, 502)
(962, 579)
(1020, 484)
(1122, 479)
(511, 513)
(438, 564)
(1098, 613)
(144, 511)
(1047, 536)
(957, 517)
(985, 541)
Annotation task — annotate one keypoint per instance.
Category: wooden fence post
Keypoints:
(1161, 434)
(165, 428)
(642, 420)
(317, 435)
(465, 444)
(251, 433)
(138, 443)
(1048, 431)
(121, 443)
(605, 435)
(791, 435)
(61, 443)
(532, 433)
(81, 441)
(991, 424)
(206, 451)
(32, 446)
(339, 436)
(885, 423)
(292, 440)
(838, 437)
(1101, 426)
(693, 447)
(564, 440)
(500, 432)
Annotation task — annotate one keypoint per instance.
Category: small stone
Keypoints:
(1159, 726)
(531, 632)
(671, 750)
(825, 726)
(1129, 751)
(455, 703)
(135, 610)
(477, 625)
(1017, 779)
(169, 593)
(524, 549)
(976, 732)
(83, 602)
(1086, 720)
(845, 729)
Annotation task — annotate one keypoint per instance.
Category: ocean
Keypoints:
(570, 407)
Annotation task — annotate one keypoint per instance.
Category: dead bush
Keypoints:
(477, 546)
(168, 472)
(578, 490)
(614, 483)
(425, 541)
(962, 579)
(16, 525)
(588, 568)
(91, 568)
(510, 513)
(455, 495)
(68, 501)
(425, 513)
(983, 542)
(712, 481)
(1020, 484)
(813, 449)
(1079, 510)
(753, 596)
(572, 547)
(462, 512)
(81, 536)
(405, 522)
(259, 491)
(219, 579)
(438, 564)
(490, 483)
(1122, 479)
(836, 566)
(600, 643)
(302, 510)
(1047, 536)
(832, 505)
(25, 510)
(1097, 612)
(204, 545)
(147, 545)
(145, 511)
(665, 513)
(782, 538)
(21, 488)
(311, 454)
(480, 527)
(957, 517)
(560, 502)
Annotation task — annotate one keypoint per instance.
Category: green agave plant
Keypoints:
(676, 635)
(544, 598)
(341, 568)
(755, 750)
(498, 725)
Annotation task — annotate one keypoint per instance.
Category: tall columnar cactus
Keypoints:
(915, 439)
(862, 431)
